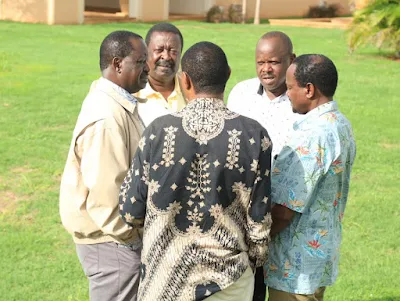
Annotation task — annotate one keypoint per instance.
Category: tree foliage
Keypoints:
(378, 24)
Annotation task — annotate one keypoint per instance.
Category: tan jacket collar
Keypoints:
(107, 87)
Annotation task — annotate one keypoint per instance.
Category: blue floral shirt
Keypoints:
(311, 177)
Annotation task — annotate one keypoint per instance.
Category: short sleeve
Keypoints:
(298, 169)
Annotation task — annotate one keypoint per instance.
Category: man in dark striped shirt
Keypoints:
(200, 187)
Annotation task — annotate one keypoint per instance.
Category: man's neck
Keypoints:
(110, 77)
(272, 94)
(164, 88)
(319, 101)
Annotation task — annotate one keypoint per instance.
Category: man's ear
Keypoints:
(310, 90)
(292, 57)
(186, 81)
(116, 64)
(229, 72)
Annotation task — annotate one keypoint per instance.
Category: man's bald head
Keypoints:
(280, 37)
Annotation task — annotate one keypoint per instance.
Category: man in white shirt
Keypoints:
(264, 99)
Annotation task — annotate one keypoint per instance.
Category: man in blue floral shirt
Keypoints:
(310, 185)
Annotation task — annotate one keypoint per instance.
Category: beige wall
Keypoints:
(360, 3)
(71, 11)
(283, 8)
(24, 10)
(194, 7)
(154, 10)
(43, 11)
(66, 12)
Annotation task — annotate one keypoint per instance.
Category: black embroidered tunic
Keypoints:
(200, 186)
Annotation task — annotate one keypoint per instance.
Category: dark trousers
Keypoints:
(259, 285)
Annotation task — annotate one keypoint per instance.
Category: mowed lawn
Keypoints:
(45, 73)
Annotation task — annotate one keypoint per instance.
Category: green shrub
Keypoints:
(215, 14)
(323, 11)
(235, 13)
(377, 24)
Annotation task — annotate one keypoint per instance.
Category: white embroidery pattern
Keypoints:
(175, 207)
(216, 210)
(169, 147)
(254, 166)
(193, 230)
(125, 185)
(129, 218)
(265, 144)
(232, 158)
(196, 217)
(199, 177)
(153, 187)
(142, 143)
(242, 192)
(204, 119)
(146, 171)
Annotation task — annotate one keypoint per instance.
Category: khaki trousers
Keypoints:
(241, 290)
(275, 295)
(113, 271)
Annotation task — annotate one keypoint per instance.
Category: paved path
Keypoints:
(100, 17)
(341, 23)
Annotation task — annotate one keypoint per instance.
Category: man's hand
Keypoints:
(281, 218)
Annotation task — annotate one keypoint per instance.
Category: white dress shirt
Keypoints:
(248, 98)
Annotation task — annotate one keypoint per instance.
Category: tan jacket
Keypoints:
(104, 142)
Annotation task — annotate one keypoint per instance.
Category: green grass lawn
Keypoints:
(45, 73)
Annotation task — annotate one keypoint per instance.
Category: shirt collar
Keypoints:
(315, 113)
(261, 92)
(148, 90)
(212, 102)
(121, 91)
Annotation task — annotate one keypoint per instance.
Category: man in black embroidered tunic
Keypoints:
(200, 187)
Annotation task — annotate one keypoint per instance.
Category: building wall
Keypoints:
(194, 7)
(361, 3)
(43, 11)
(154, 10)
(66, 12)
(35, 11)
(71, 11)
(283, 8)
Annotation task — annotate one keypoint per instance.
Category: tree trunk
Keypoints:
(244, 5)
(257, 12)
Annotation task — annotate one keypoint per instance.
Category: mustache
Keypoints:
(266, 74)
(165, 63)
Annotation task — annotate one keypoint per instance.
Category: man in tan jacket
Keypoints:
(104, 141)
